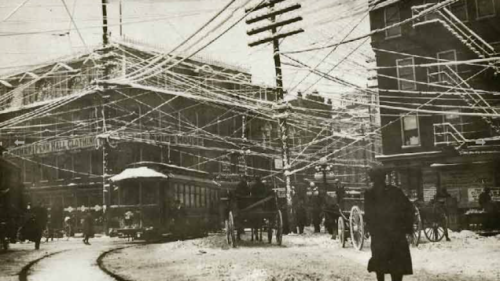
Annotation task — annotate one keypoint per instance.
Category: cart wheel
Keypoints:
(226, 227)
(356, 225)
(414, 238)
(435, 232)
(341, 231)
(230, 230)
(279, 227)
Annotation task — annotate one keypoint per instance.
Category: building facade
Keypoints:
(55, 120)
(437, 70)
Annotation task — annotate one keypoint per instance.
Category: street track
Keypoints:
(28, 270)
(23, 274)
(103, 268)
(76, 264)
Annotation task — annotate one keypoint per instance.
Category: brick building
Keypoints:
(438, 116)
(200, 114)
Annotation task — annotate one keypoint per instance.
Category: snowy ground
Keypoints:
(64, 259)
(301, 257)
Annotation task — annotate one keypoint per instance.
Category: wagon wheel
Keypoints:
(269, 233)
(414, 238)
(279, 227)
(341, 231)
(357, 228)
(231, 239)
(435, 231)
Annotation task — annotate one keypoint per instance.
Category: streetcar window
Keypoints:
(130, 193)
(193, 201)
(181, 194)
(198, 196)
(149, 193)
(203, 197)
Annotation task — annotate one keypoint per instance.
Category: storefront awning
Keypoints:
(138, 173)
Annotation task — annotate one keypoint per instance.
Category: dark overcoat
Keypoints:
(35, 224)
(389, 217)
(88, 225)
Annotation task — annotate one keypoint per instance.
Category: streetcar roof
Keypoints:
(138, 173)
(170, 167)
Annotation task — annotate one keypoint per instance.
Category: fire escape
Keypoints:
(446, 133)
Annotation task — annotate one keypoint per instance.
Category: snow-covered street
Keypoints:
(301, 257)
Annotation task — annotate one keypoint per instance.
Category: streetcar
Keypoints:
(151, 200)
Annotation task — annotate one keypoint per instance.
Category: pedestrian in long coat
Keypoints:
(389, 218)
(88, 227)
(36, 222)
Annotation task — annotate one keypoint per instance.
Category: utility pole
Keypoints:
(282, 106)
(105, 138)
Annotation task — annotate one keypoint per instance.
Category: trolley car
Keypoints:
(143, 198)
(255, 212)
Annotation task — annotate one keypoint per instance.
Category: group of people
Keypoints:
(39, 220)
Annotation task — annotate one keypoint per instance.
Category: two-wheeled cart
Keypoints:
(432, 219)
(257, 213)
(350, 221)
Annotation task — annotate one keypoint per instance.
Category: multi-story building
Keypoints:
(55, 120)
(353, 120)
(437, 65)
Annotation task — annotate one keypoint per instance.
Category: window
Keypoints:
(149, 194)
(181, 194)
(200, 196)
(447, 73)
(410, 130)
(391, 16)
(129, 193)
(193, 196)
(96, 162)
(65, 164)
(485, 8)
(454, 120)
(176, 192)
(406, 74)
(431, 15)
(459, 9)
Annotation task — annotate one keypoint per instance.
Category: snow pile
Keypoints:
(464, 234)
(309, 239)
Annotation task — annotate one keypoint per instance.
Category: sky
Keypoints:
(41, 30)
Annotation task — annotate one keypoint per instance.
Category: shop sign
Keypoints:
(55, 146)
(473, 194)
(429, 194)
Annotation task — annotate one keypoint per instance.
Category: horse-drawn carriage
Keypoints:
(259, 212)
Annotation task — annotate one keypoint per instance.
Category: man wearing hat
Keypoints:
(389, 218)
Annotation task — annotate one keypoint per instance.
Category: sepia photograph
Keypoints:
(249, 140)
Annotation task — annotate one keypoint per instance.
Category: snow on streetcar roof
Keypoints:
(167, 165)
(139, 172)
